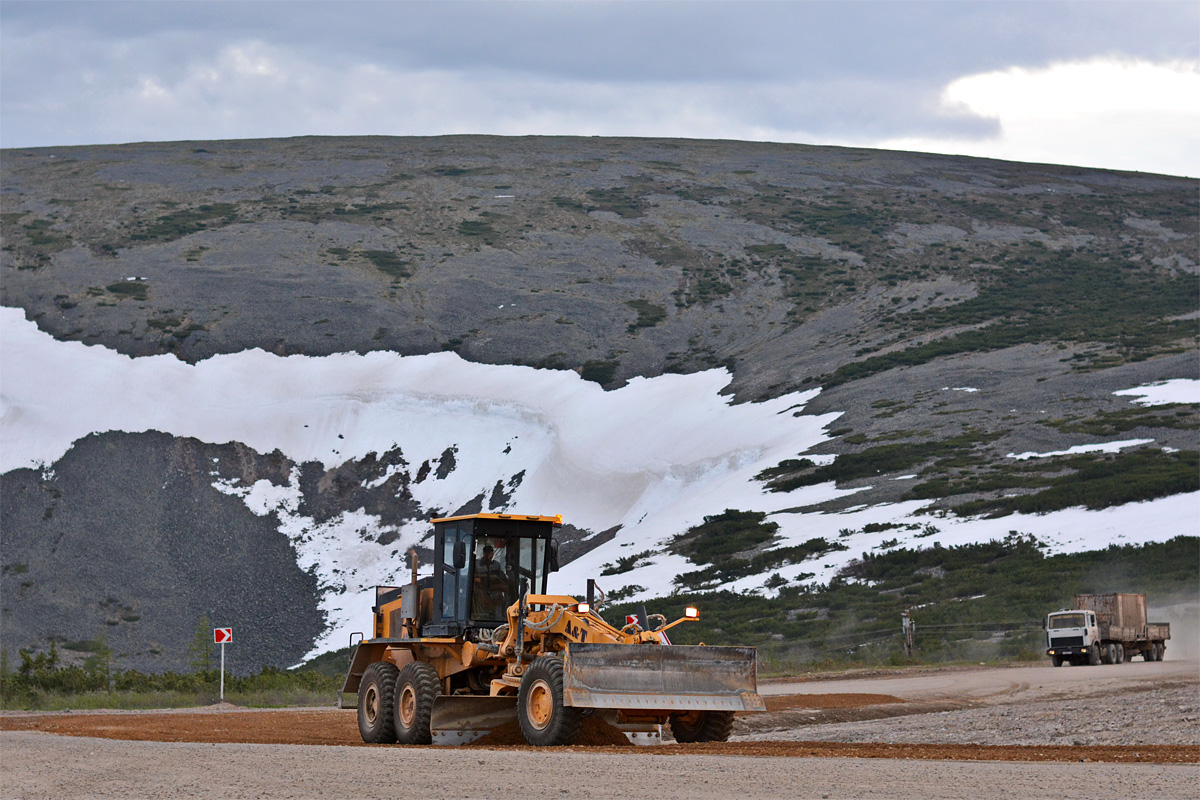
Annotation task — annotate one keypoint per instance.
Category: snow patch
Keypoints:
(1179, 390)
(1103, 447)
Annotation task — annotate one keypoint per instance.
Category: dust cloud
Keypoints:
(1185, 629)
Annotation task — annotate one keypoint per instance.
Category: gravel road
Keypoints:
(1126, 706)
(46, 766)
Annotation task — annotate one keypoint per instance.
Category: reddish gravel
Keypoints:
(787, 702)
(332, 727)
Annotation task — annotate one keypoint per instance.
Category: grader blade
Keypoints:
(661, 677)
(461, 719)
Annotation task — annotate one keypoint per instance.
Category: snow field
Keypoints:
(654, 457)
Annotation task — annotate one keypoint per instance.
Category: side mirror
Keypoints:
(460, 555)
(554, 555)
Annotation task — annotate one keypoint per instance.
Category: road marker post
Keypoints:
(221, 636)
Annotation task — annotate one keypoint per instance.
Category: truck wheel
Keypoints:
(1120, 659)
(1094, 656)
(1159, 649)
(545, 721)
(1056, 660)
(376, 699)
(702, 726)
(416, 688)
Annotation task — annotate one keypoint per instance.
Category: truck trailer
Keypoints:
(1104, 629)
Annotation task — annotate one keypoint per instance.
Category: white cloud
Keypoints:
(1070, 90)
(1116, 114)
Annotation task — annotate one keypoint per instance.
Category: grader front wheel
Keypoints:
(544, 720)
(702, 726)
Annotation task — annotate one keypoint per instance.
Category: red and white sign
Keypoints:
(631, 619)
(222, 635)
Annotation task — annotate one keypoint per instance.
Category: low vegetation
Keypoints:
(971, 602)
(735, 544)
(45, 681)
(42, 681)
(870, 462)
(1092, 480)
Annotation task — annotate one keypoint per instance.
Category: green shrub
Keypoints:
(648, 314)
(600, 371)
(389, 263)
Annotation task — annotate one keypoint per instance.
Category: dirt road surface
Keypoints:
(918, 734)
(68, 767)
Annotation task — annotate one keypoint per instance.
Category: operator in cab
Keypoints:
(489, 594)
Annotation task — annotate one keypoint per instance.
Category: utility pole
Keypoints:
(908, 627)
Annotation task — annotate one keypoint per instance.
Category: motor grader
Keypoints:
(455, 655)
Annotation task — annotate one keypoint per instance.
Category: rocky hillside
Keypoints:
(954, 312)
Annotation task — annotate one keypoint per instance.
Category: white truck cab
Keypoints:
(1073, 636)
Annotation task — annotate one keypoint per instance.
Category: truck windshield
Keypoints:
(1067, 621)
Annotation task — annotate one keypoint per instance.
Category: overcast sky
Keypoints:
(1103, 84)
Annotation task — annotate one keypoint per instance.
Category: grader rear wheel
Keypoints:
(376, 697)
(416, 688)
(702, 726)
(544, 720)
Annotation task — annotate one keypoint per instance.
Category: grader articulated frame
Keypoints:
(480, 644)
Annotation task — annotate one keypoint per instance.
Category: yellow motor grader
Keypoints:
(455, 655)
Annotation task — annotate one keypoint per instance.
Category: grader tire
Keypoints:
(416, 688)
(376, 703)
(702, 726)
(544, 720)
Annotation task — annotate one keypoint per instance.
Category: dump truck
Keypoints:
(1104, 629)
(480, 644)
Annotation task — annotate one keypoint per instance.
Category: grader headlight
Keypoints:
(691, 612)
(583, 608)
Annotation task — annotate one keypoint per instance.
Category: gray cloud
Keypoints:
(109, 72)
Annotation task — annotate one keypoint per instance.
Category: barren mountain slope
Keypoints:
(953, 310)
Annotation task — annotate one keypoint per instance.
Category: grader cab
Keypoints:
(480, 643)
